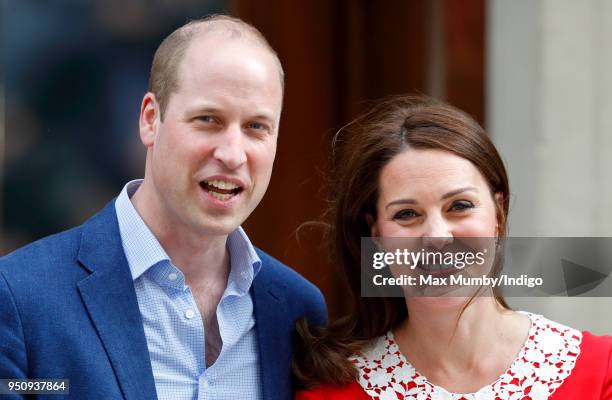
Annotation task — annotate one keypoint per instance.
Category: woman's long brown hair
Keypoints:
(360, 150)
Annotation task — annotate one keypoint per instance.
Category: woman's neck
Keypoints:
(446, 345)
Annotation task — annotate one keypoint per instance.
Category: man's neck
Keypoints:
(202, 259)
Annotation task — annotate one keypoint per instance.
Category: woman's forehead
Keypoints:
(430, 170)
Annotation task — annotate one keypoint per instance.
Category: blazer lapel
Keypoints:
(274, 331)
(109, 296)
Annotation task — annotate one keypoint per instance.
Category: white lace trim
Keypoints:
(545, 361)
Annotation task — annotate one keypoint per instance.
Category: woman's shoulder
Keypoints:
(350, 391)
(587, 369)
(591, 377)
(596, 354)
(596, 343)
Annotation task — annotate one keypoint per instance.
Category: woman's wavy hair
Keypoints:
(360, 150)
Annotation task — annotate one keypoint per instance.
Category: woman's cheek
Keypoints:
(393, 229)
(477, 227)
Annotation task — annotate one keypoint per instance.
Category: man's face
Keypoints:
(211, 157)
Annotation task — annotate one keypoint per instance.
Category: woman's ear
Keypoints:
(372, 224)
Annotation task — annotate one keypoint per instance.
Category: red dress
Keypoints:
(555, 363)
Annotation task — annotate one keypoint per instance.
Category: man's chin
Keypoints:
(218, 225)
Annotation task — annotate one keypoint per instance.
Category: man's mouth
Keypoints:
(220, 189)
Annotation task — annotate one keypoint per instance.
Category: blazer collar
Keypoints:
(110, 298)
(275, 333)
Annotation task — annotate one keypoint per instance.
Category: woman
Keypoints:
(417, 168)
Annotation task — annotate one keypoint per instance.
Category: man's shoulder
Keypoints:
(43, 271)
(58, 247)
(285, 275)
(302, 296)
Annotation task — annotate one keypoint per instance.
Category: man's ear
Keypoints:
(149, 119)
(372, 224)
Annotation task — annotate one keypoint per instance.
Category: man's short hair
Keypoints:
(168, 56)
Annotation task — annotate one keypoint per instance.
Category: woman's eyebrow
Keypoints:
(401, 201)
(457, 191)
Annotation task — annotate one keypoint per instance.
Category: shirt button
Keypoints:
(204, 384)
(189, 314)
(172, 276)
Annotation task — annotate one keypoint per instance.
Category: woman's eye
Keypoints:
(405, 214)
(461, 205)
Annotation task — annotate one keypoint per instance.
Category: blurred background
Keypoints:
(535, 73)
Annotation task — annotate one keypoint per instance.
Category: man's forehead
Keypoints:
(217, 43)
(213, 42)
(234, 60)
(213, 76)
(228, 68)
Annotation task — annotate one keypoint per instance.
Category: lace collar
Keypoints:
(545, 361)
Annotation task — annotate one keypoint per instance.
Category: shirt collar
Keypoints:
(143, 250)
(244, 261)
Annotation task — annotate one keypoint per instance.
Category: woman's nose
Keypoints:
(437, 233)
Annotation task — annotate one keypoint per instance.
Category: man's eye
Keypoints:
(405, 214)
(256, 125)
(205, 118)
(461, 205)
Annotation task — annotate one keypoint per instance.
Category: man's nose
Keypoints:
(437, 233)
(230, 149)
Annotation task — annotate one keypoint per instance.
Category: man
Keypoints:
(162, 293)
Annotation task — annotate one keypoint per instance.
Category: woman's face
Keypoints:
(443, 204)
(434, 194)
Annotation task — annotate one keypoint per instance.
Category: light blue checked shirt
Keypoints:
(173, 325)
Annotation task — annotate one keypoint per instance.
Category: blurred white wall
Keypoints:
(549, 111)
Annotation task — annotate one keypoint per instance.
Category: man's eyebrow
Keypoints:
(202, 109)
(445, 196)
(264, 116)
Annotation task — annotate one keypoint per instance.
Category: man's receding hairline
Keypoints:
(242, 35)
(223, 24)
(235, 32)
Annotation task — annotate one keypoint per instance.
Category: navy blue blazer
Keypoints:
(68, 310)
